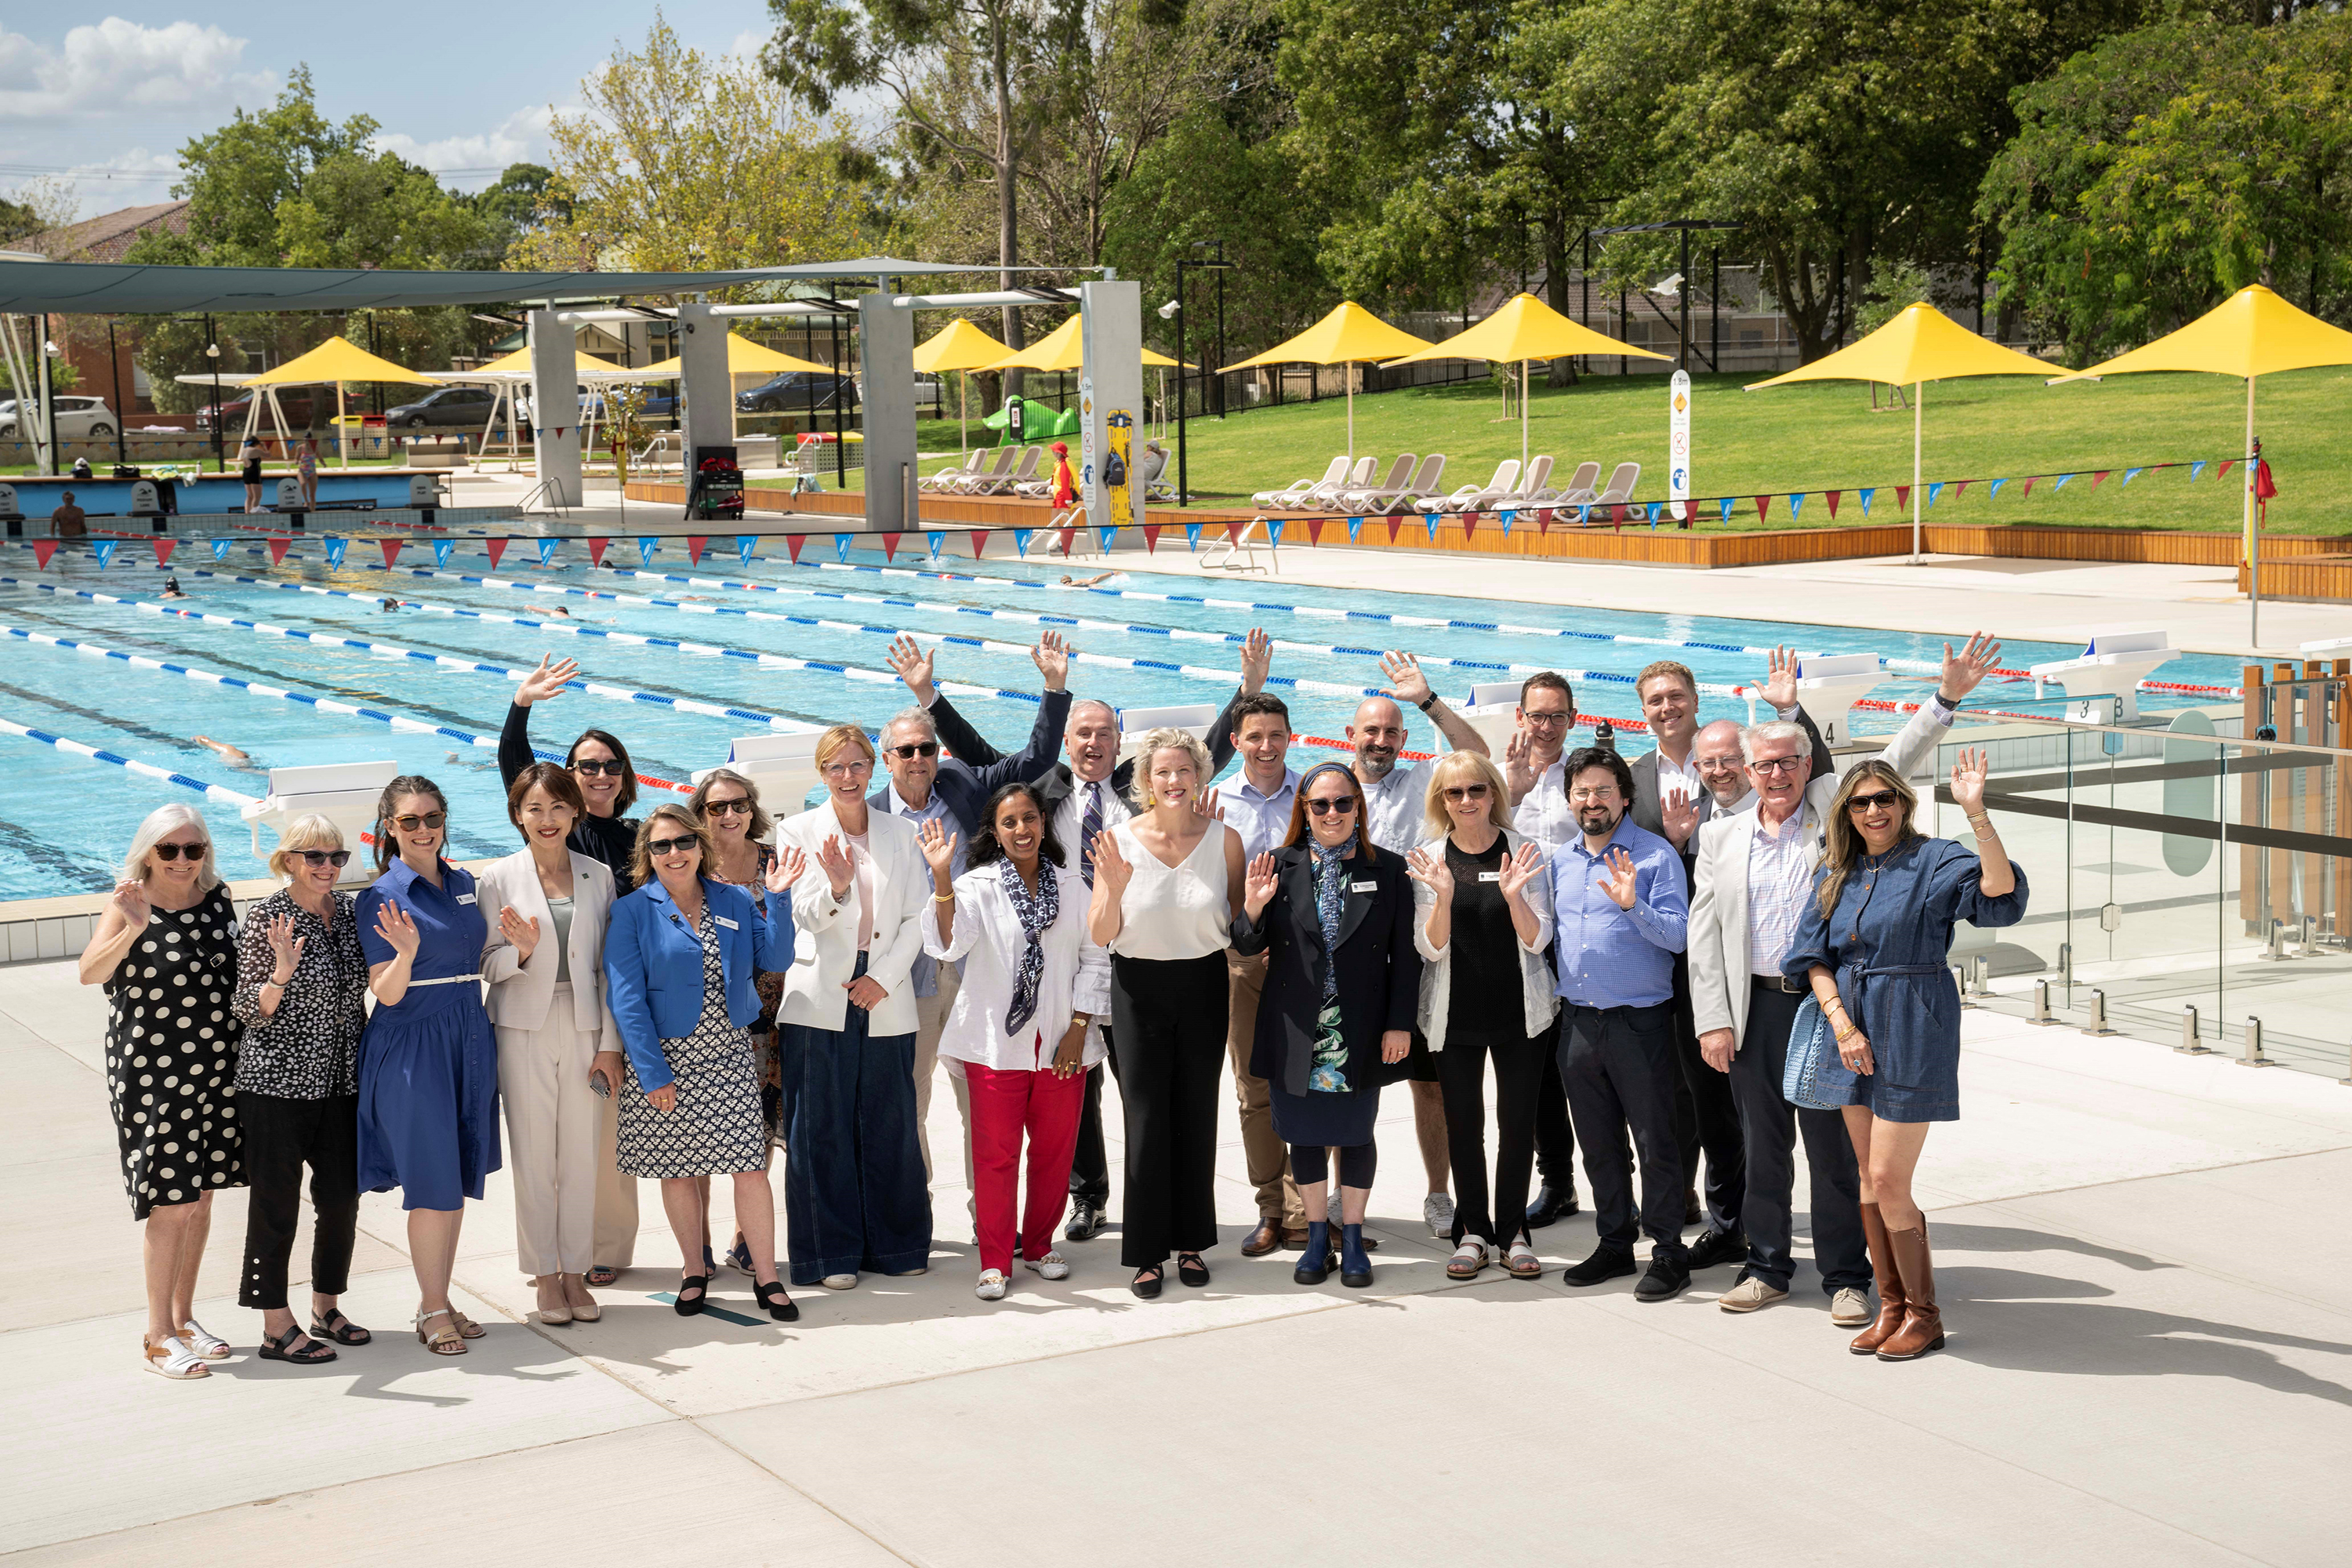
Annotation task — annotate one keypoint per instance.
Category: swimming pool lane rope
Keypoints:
(215, 793)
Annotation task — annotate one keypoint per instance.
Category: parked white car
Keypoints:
(79, 418)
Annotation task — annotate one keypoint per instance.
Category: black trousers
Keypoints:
(1167, 1019)
(281, 1136)
(1771, 1125)
(1312, 1163)
(1089, 1167)
(1518, 1079)
(1707, 1117)
(1617, 1066)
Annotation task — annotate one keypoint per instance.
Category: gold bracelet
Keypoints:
(943, 898)
(1848, 1033)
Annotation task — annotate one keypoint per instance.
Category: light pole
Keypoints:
(211, 353)
(1183, 488)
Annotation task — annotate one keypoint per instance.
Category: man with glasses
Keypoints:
(1754, 873)
(1534, 770)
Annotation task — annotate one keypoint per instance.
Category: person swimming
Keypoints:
(171, 589)
(1098, 578)
(234, 756)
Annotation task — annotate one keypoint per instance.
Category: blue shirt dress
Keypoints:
(1890, 945)
(429, 1064)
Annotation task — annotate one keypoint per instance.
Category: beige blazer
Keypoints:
(1537, 992)
(519, 992)
(824, 941)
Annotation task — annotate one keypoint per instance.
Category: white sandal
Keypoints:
(1523, 1263)
(1467, 1260)
(173, 1358)
(209, 1345)
(1053, 1266)
(991, 1285)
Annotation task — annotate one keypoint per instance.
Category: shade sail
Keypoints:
(2252, 333)
(1921, 343)
(337, 360)
(1525, 329)
(1062, 349)
(516, 366)
(744, 357)
(958, 345)
(1349, 335)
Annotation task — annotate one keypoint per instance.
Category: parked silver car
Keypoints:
(77, 418)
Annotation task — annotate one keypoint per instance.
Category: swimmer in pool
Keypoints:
(543, 610)
(389, 605)
(1098, 577)
(230, 754)
(171, 589)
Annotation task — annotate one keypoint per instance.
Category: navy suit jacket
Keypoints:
(653, 966)
(974, 772)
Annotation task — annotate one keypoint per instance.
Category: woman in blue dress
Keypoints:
(428, 1061)
(1876, 943)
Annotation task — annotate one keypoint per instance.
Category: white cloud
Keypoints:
(521, 137)
(119, 67)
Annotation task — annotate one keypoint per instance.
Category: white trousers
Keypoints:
(615, 1242)
(551, 1142)
(931, 1021)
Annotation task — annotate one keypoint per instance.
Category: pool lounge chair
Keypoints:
(1327, 497)
(1621, 485)
(1288, 494)
(1399, 476)
(1580, 484)
(1153, 465)
(1409, 499)
(965, 470)
(1535, 488)
(1002, 483)
(1477, 498)
(961, 484)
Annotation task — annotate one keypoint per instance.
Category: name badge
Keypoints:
(1490, 876)
(731, 925)
(1363, 887)
(465, 897)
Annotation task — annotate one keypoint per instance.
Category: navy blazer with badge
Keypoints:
(652, 965)
(1380, 968)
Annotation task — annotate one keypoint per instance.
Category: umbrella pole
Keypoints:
(1919, 496)
(342, 436)
(1523, 421)
(2253, 539)
(1349, 371)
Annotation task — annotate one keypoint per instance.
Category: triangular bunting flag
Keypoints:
(277, 551)
(1469, 523)
(696, 543)
(1902, 498)
(1959, 489)
(1796, 507)
(441, 549)
(1507, 514)
(841, 548)
(547, 551)
(1723, 506)
(890, 547)
(163, 551)
(220, 549)
(1430, 520)
(1655, 507)
(335, 548)
(497, 547)
(1543, 520)
(42, 550)
(2098, 475)
(647, 545)
(596, 550)
(2224, 471)
(391, 547)
(979, 537)
(2195, 471)
(1234, 532)
(2027, 493)
(1104, 536)
(1021, 541)
(744, 544)
(792, 543)
(2060, 483)
(1395, 522)
(1193, 537)
(938, 541)
(2131, 474)
(1763, 507)
(1992, 492)
(1831, 497)
(1068, 534)
(1151, 537)
(1274, 534)
(1935, 492)
(1355, 529)
(1865, 497)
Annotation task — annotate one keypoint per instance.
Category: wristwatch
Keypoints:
(1428, 703)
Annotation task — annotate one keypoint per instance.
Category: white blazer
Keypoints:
(825, 943)
(519, 992)
(1536, 985)
(1718, 938)
(1077, 977)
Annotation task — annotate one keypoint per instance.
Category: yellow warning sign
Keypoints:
(1117, 466)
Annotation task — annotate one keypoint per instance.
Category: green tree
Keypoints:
(172, 346)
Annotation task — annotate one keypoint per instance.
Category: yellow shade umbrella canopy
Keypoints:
(1525, 329)
(958, 345)
(1061, 349)
(1349, 335)
(744, 357)
(506, 367)
(337, 360)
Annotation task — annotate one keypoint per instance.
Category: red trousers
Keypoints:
(1004, 1105)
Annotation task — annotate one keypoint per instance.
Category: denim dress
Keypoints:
(429, 1063)
(1890, 944)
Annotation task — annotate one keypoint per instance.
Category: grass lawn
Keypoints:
(1819, 436)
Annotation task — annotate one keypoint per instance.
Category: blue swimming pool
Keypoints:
(792, 643)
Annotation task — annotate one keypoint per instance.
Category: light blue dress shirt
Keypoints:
(925, 972)
(1262, 820)
(1610, 957)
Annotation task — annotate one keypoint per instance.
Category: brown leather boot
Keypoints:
(1890, 1285)
(1923, 1324)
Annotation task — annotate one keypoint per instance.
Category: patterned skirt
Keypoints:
(715, 1127)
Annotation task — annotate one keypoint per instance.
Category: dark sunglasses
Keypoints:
(918, 749)
(1465, 792)
(726, 807)
(1886, 798)
(1345, 805)
(336, 858)
(410, 824)
(593, 767)
(173, 851)
(673, 846)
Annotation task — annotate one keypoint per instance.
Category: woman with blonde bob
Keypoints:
(1167, 882)
(855, 1198)
(1482, 918)
(301, 993)
(678, 962)
(1874, 943)
(164, 952)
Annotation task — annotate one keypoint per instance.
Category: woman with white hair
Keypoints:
(301, 988)
(165, 953)
(1167, 881)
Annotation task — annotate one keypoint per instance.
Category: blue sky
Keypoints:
(457, 87)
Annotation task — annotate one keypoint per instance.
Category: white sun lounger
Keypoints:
(1580, 487)
(1002, 483)
(1475, 498)
(1424, 483)
(1399, 476)
(1534, 491)
(961, 484)
(965, 470)
(1328, 497)
(1288, 494)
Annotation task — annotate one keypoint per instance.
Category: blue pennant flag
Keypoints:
(1355, 527)
(1994, 493)
(1193, 537)
(1796, 505)
(1106, 535)
(1507, 514)
(1655, 507)
(1726, 505)
(2060, 482)
(220, 549)
(1430, 518)
(1020, 540)
(744, 544)
(335, 548)
(2130, 474)
(1273, 532)
(1935, 491)
(2196, 472)
(645, 548)
(938, 541)
(547, 550)
(841, 548)
(1865, 496)
(441, 549)
(104, 549)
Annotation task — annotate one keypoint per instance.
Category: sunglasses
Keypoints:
(336, 858)
(1885, 799)
(1465, 792)
(673, 846)
(593, 767)
(1776, 765)
(1343, 806)
(173, 851)
(727, 807)
(410, 824)
(917, 749)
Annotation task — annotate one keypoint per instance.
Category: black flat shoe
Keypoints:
(1550, 1203)
(782, 1307)
(1148, 1282)
(691, 1306)
(1718, 1247)
(1606, 1263)
(1191, 1270)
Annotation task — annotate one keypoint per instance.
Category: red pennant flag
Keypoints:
(596, 550)
(1469, 522)
(498, 547)
(1543, 520)
(2029, 485)
(390, 549)
(1832, 496)
(694, 547)
(163, 551)
(1763, 505)
(1234, 532)
(792, 541)
(277, 551)
(890, 547)
(1068, 534)
(979, 537)
(1151, 537)
(1617, 514)
(1315, 530)
(2224, 471)
(1902, 497)
(1961, 488)
(42, 550)
(1395, 522)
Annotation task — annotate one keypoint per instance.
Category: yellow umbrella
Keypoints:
(958, 345)
(2252, 333)
(1349, 335)
(1919, 345)
(517, 365)
(744, 357)
(1062, 350)
(1523, 330)
(338, 359)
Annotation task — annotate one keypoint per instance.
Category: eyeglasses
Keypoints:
(673, 846)
(592, 766)
(915, 749)
(1594, 796)
(1776, 765)
(173, 851)
(1550, 720)
(1883, 800)
(410, 824)
(727, 807)
(1344, 806)
(337, 857)
(1465, 792)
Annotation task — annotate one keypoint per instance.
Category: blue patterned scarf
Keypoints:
(1328, 1073)
(1036, 914)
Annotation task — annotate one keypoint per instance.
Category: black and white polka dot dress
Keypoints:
(171, 1055)
(715, 1127)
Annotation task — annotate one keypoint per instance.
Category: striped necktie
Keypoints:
(1089, 825)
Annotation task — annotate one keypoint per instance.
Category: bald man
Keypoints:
(1715, 752)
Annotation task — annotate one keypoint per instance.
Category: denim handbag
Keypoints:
(1816, 1078)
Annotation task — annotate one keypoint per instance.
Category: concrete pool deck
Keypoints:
(2150, 1360)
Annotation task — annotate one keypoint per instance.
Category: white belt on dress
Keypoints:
(448, 979)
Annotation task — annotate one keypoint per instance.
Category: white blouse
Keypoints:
(1179, 913)
(988, 938)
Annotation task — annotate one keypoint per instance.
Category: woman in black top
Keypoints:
(301, 983)
(1483, 919)
(248, 469)
(1335, 1017)
(600, 765)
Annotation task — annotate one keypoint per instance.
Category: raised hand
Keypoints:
(1616, 878)
(521, 934)
(130, 897)
(547, 680)
(1406, 682)
(1519, 765)
(284, 949)
(1052, 656)
(834, 862)
(1257, 658)
(1780, 688)
(913, 663)
(1968, 780)
(392, 925)
(1964, 669)
(1678, 814)
(785, 868)
(1111, 867)
(1431, 870)
(1519, 869)
(1258, 884)
(1204, 803)
(939, 847)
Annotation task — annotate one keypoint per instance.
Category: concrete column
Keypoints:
(705, 392)
(1111, 400)
(555, 407)
(885, 353)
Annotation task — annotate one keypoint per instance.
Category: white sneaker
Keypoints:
(991, 1285)
(1437, 1209)
(1053, 1266)
(1332, 1214)
(838, 1281)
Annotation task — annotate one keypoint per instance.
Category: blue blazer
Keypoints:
(653, 966)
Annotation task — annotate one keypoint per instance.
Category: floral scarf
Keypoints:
(1036, 914)
(1328, 1073)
